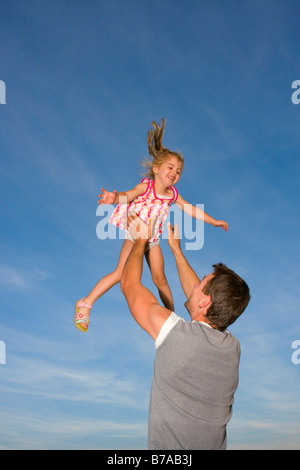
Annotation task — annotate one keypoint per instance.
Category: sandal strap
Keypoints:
(83, 320)
(81, 303)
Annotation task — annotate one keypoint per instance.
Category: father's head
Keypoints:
(220, 298)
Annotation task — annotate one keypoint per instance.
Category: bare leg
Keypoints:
(107, 281)
(156, 264)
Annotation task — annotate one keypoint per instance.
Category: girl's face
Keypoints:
(169, 172)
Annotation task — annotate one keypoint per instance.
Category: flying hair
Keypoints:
(158, 153)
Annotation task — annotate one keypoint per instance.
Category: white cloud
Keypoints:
(78, 382)
(21, 279)
(88, 397)
(258, 433)
(29, 430)
(266, 408)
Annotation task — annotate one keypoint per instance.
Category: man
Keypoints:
(196, 362)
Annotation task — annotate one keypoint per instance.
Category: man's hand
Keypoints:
(137, 228)
(173, 238)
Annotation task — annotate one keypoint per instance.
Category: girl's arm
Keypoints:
(114, 197)
(198, 213)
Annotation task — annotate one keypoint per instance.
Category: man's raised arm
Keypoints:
(188, 277)
(143, 305)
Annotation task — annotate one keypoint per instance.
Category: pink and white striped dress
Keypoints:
(147, 205)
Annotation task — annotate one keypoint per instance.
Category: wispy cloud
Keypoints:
(32, 431)
(21, 280)
(58, 382)
(266, 409)
(45, 372)
(260, 432)
(227, 100)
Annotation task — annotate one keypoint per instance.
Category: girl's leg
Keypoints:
(156, 264)
(107, 281)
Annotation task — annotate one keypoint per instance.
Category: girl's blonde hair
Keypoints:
(157, 151)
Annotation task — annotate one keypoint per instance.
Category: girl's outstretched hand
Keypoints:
(221, 223)
(107, 197)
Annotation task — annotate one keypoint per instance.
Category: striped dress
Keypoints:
(147, 205)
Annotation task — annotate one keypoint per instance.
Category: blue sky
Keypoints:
(83, 82)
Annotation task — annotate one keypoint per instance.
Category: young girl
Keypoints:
(149, 199)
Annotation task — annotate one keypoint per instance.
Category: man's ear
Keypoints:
(205, 302)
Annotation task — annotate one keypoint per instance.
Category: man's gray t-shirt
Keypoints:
(195, 377)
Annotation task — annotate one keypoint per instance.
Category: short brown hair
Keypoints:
(230, 296)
